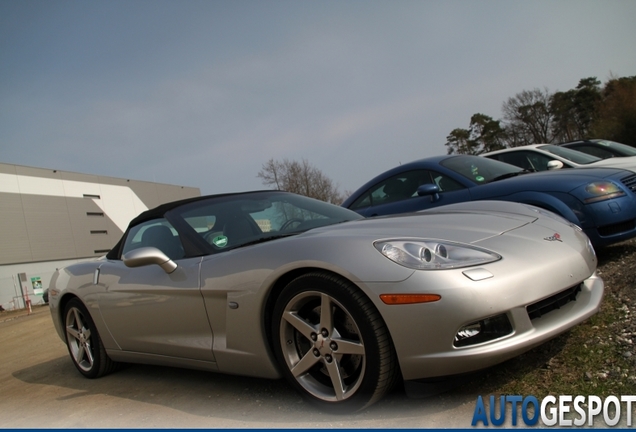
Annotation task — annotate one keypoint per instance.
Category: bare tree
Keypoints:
(301, 178)
(527, 118)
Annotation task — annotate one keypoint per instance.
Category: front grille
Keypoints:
(540, 308)
(630, 182)
(616, 228)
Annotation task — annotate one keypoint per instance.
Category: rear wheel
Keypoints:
(83, 342)
(332, 343)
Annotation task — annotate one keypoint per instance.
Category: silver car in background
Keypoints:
(271, 284)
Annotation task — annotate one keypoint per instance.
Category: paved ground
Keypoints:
(39, 387)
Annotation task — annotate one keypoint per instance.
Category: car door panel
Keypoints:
(149, 311)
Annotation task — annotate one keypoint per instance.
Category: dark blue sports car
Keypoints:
(602, 201)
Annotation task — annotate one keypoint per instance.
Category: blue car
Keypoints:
(601, 201)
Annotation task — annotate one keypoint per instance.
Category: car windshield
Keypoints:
(480, 170)
(569, 154)
(231, 221)
(622, 148)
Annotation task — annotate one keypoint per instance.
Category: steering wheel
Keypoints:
(289, 223)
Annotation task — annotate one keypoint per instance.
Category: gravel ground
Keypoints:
(617, 267)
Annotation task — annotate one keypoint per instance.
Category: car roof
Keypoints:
(416, 164)
(577, 142)
(506, 150)
(161, 209)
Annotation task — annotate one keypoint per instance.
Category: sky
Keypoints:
(203, 93)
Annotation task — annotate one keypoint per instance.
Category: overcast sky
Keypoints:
(202, 93)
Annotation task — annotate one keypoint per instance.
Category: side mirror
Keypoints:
(554, 164)
(429, 189)
(149, 255)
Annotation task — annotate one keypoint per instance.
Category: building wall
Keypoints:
(51, 216)
(11, 294)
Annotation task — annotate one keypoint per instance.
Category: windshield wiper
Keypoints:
(509, 175)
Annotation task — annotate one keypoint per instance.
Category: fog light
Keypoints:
(483, 331)
(469, 331)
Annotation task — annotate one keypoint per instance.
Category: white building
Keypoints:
(51, 218)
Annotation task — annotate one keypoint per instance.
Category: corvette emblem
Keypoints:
(554, 237)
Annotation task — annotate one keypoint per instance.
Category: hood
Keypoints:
(465, 222)
(628, 163)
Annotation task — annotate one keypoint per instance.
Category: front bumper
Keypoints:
(535, 268)
(614, 221)
(429, 350)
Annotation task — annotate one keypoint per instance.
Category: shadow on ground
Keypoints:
(216, 395)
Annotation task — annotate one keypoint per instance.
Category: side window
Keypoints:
(539, 161)
(445, 183)
(595, 151)
(157, 233)
(362, 202)
(522, 159)
(397, 188)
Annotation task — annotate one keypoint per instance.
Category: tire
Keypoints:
(339, 358)
(84, 344)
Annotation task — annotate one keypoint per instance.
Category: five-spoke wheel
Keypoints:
(84, 345)
(332, 343)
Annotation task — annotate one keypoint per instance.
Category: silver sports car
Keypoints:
(271, 284)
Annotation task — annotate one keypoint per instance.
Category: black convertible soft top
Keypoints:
(162, 209)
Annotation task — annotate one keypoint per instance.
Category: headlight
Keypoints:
(602, 191)
(427, 254)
